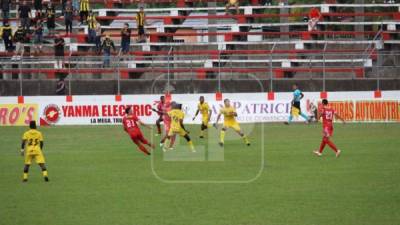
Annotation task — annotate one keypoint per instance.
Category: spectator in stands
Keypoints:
(68, 18)
(141, 21)
(91, 22)
(125, 38)
(61, 87)
(63, 5)
(38, 32)
(314, 16)
(6, 35)
(232, 3)
(37, 4)
(38, 16)
(59, 44)
(51, 17)
(5, 9)
(98, 38)
(84, 10)
(25, 15)
(106, 47)
(20, 37)
(75, 6)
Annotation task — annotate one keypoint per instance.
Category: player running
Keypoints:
(130, 123)
(328, 114)
(229, 113)
(158, 110)
(31, 147)
(167, 121)
(177, 115)
(296, 110)
(205, 115)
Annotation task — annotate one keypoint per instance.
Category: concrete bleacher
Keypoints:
(188, 29)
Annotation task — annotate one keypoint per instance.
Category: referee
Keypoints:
(297, 96)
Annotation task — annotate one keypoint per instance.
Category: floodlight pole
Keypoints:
(323, 67)
(169, 70)
(271, 89)
(69, 74)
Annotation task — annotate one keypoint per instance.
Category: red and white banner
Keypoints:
(251, 107)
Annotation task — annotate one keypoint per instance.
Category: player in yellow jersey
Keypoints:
(31, 148)
(177, 115)
(206, 112)
(229, 113)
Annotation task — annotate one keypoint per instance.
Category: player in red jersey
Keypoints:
(327, 114)
(158, 110)
(167, 121)
(131, 126)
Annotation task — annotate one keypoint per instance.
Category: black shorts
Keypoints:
(297, 105)
(141, 30)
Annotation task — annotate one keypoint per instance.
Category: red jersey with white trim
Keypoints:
(159, 108)
(328, 115)
(130, 124)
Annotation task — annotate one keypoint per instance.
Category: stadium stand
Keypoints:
(193, 40)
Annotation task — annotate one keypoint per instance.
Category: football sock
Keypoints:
(332, 145)
(44, 173)
(290, 118)
(190, 143)
(322, 146)
(25, 176)
(304, 116)
(171, 142)
(143, 149)
(159, 128)
(222, 136)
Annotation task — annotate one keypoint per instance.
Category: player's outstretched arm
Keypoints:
(23, 147)
(209, 115)
(157, 111)
(41, 145)
(216, 122)
(195, 115)
(145, 125)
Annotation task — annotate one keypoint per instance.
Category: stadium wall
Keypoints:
(251, 107)
(110, 87)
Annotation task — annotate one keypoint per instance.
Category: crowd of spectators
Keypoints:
(31, 28)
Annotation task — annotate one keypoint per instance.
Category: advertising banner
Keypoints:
(17, 114)
(251, 108)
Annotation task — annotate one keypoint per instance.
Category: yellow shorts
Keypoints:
(181, 132)
(295, 111)
(38, 157)
(204, 121)
(233, 125)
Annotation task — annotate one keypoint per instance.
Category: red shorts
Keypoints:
(327, 131)
(137, 137)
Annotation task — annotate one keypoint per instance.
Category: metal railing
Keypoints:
(322, 66)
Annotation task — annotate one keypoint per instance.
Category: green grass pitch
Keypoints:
(97, 176)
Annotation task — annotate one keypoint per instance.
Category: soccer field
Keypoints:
(97, 176)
